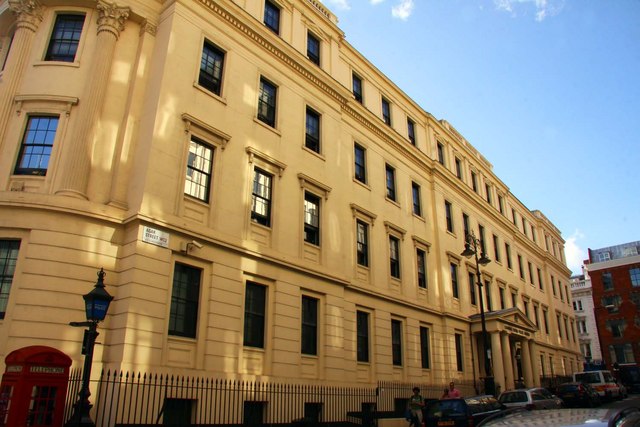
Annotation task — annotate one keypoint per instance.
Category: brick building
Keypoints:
(615, 280)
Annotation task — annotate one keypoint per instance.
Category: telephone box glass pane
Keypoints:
(43, 402)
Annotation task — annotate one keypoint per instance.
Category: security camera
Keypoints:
(187, 247)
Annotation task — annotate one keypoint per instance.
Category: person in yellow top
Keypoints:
(416, 403)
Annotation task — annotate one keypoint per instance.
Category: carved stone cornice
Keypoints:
(28, 13)
(111, 18)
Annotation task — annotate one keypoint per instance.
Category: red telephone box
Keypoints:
(34, 387)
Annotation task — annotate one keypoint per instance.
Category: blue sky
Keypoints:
(547, 90)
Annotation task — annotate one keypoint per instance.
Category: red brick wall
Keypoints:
(627, 311)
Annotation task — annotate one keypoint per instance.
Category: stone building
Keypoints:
(265, 202)
(584, 308)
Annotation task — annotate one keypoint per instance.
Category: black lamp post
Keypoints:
(96, 305)
(472, 247)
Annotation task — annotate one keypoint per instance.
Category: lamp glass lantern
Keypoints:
(97, 301)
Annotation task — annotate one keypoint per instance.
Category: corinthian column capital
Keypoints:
(28, 12)
(111, 17)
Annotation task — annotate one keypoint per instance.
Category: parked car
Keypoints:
(530, 398)
(460, 412)
(629, 375)
(578, 394)
(602, 381)
(574, 417)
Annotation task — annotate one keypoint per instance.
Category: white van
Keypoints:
(602, 381)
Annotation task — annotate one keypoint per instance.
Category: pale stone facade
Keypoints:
(584, 309)
(120, 179)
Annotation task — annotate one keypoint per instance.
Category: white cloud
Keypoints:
(403, 9)
(574, 253)
(544, 8)
(339, 4)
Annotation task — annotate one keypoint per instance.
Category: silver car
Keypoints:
(530, 398)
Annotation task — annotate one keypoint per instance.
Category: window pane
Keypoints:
(185, 295)
(261, 198)
(8, 259)
(211, 66)
(449, 218)
(254, 315)
(267, 103)
(363, 336)
(65, 38)
(411, 131)
(440, 149)
(313, 48)
(37, 144)
(454, 280)
(396, 342)
(424, 347)
(272, 16)
(311, 218)
(309, 336)
(394, 257)
(417, 204)
(472, 288)
(459, 360)
(199, 164)
(422, 268)
(634, 274)
(357, 88)
(312, 136)
(362, 243)
(391, 182)
(360, 172)
(386, 111)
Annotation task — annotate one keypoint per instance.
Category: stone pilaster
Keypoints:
(535, 362)
(496, 355)
(29, 17)
(507, 360)
(78, 167)
(125, 147)
(527, 371)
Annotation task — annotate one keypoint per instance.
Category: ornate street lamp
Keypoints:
(472, 247)
(96, 306)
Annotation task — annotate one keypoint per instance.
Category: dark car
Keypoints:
(629, 375)
(578, 394)
(460, 412)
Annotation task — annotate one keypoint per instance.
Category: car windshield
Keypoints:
(567, 387)
(516, 396)
(588, 377)
(608, 378)
(481, 404)
(446, 408)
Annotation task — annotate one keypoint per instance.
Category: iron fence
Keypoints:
(551, 382)
(141, 399)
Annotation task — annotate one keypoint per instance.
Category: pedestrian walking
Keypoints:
(415, 405)
(451, 392)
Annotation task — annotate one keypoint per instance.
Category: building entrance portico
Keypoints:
(513, 351)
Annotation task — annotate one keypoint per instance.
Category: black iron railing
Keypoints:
(138, 399)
